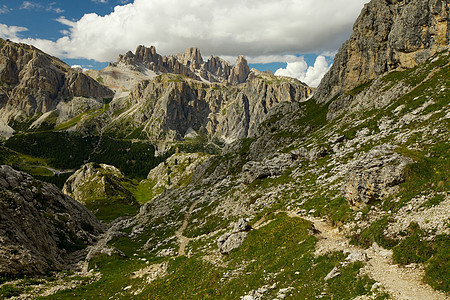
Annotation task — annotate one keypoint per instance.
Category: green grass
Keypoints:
(437, 269)
(374, 233)
(144, 190)
(280, 252)
(413, 248)
(110, 209)
(9, 290)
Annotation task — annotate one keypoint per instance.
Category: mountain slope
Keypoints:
(41, 229)
(343, 196)
(34, 83)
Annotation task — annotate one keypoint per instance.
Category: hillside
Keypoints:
(265, 189)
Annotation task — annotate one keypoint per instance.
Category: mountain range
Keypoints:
(172, 177)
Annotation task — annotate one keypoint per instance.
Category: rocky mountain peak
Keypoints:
(192, 57)
(35, 82)
(388, 35)
(190, 64)
(240, 71)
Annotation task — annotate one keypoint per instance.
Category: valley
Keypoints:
(197, 179)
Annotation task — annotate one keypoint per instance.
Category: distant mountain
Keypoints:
(190, 64)
(32, 83)
(270, 188)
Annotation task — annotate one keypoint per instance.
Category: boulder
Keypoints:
(374, 176)
(275, 166)
(234, 239)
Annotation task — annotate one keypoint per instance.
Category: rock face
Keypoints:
(234, 239)
(97, 182)
(387, 35)
(37, 82)
(374, 176)
(40, 228)
(169, 107)
(189, 64)
(176, 171)
(240, 71)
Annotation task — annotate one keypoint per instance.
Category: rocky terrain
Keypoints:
(41, 229)
(267, 189)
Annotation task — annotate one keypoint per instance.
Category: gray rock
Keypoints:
(231, 241)
(41, 229)
(240, 71)
(333, 273)
(387, 35)
(241, 225)
(374, 176)
(275, 166)
(356, 256)
(234, 239)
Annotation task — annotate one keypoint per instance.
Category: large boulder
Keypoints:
(234, 239)
(374, 176)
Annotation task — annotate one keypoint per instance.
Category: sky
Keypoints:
(296, 38)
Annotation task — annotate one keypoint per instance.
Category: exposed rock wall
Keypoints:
(34, 82)
(387, 35)
(40, 227)
(190, 64)
(171, 106)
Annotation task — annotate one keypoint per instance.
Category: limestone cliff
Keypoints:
(34, 82)
(40, 228)
(169, 107)
(388, 35)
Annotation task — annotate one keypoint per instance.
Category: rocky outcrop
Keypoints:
(234, 239)
(387, 35)
(188, 64)
(275, 166)
(176, 171)
(240, 71)
(96, 183)
(41, 229)
(374, 176)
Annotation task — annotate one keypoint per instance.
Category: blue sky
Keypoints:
(300, 36)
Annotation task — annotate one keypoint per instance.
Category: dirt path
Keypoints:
(400, 282)
(182, 240)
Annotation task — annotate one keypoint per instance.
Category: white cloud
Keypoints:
(51, 7)
(100, 1)
(299, 69)
(267, 29)
(79, 67)
(4, 9)
(10, 32)
(28, 5)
